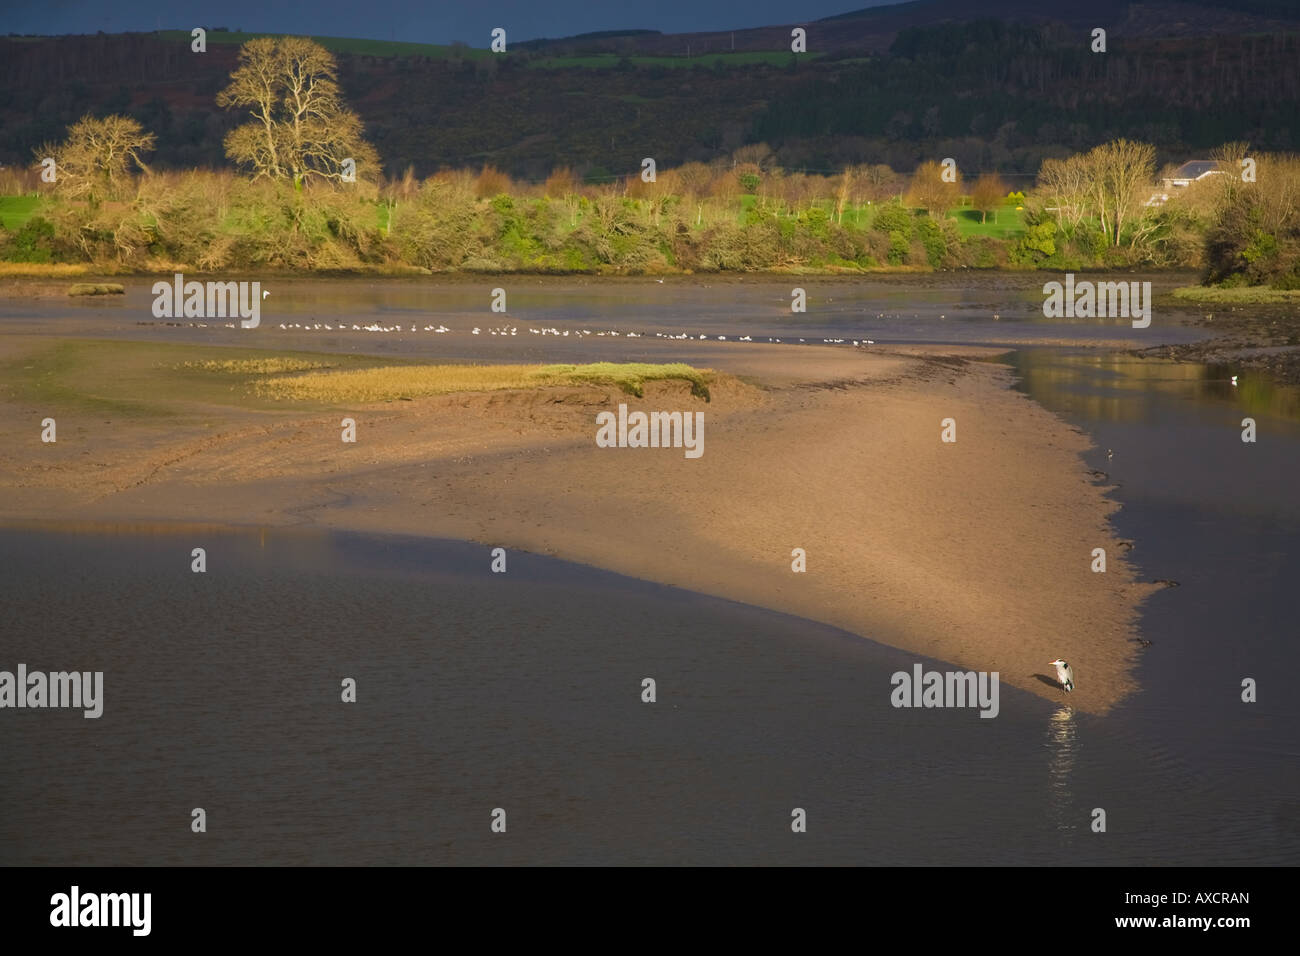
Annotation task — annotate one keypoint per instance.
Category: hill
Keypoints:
(885, 85)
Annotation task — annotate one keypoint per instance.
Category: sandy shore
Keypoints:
(976, 552)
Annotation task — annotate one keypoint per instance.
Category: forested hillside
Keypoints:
(995, 95)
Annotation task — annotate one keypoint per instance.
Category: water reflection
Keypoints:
(1062, 744)
(1111, 386)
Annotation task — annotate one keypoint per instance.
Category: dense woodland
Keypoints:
(997, 97)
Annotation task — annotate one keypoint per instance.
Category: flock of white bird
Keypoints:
(505, 330)
(514, 330)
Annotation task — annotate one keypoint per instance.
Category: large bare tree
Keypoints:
(1065, 185)
(931, 192)
(300, 129)
(1120, 172)
(94, 162)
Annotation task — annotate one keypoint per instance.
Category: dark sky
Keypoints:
(424, 21)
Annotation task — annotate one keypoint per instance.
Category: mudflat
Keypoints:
(978, 551)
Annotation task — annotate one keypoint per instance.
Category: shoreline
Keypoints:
(975, 552)
(20, 283)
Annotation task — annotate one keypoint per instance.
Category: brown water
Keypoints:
(522, 691)
(404, 315)
(519, 691)
(1222, 518)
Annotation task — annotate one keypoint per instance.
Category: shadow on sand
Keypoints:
(1049, 681)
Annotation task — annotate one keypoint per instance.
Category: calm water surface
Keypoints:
(522, 691)
(966, 308)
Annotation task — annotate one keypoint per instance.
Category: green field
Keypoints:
(1006, 223)
(436, 51)
(358, 46)
(608, 61)
(16, 210)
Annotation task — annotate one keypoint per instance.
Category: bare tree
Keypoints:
(1065, 184)
(930, 192)
(300, 128)
(844, 188)
(94, 161)
(560, 183)
(987, 195)
(1118, 172)
(881, 182)
(760, 154)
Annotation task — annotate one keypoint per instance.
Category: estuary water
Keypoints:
(523, 691)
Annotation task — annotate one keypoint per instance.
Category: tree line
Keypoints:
(310, 194)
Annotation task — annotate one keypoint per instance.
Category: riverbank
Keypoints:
(976, 552)
(1250, 329)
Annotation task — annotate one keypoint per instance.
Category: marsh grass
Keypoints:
(632, 376)
(148, 380)
(397, 382)
(1240, 295)
(177, 381)
(97, 288)
(44, 270)
(258, 366)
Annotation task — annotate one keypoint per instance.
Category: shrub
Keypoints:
(1037, 244)
(893, 217)
(899, 246)
(932, 239)
(34, 242)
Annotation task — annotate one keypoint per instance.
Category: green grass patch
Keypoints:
(363, 47)
(258, 366)
(434, 51)
(1006, 223)
(16, 210)
(1240, 295)
(609, 61)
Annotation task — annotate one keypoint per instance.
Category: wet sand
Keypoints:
(976, 552)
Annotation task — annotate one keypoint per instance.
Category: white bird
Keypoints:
(1234, 381)
(1064, 673)
(1110, 453)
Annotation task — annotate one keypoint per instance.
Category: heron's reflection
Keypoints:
(1062, 743)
